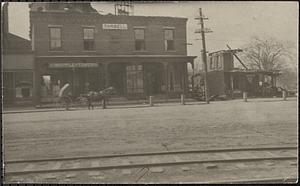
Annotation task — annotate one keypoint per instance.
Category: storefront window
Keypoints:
(49, 86)
(135, 80)
(23, 84)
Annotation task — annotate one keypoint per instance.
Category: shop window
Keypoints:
(49, 86)
(23, 84)
(135, 82)
(55, 38)
(89, 39)
(139, 35)
(169, 39)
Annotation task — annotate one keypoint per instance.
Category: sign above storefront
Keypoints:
(107, 26)
(73, 65)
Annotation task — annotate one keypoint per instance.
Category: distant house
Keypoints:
(17, 65)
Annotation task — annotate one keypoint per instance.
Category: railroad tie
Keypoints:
(178, 159)
(156, 169)
(57, 165)
(126, 171)
(95, 163)
(29, 167)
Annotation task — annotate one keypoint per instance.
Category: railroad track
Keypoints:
(210, 157)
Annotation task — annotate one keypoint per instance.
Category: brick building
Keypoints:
(17, 65)
(138, 55)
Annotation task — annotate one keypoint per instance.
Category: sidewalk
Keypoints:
(130, 104)
(109, 105)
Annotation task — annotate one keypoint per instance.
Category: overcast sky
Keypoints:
(232, 23)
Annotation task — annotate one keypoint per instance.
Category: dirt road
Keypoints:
(164, 127)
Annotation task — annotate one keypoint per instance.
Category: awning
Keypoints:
(116, 58)
(18, 62)
(255, 71)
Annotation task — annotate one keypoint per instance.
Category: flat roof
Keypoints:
(96, 14)
(116, 56)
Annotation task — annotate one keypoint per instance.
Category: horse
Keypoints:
(93, 96)
(64, 96)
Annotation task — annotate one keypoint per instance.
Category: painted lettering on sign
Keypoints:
(107, 26)
(73, 65)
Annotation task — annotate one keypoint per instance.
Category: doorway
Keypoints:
(8, 88)
(153, 78)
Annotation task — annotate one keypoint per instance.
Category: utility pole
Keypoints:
(204, 58)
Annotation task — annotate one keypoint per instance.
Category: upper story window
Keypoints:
(89, 39)
(169, 39)
(55, 38)
(220, 62)
(139, 36)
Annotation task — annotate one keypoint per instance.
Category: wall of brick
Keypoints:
(107, 42)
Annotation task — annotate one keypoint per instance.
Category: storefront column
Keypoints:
(192, 64)
(106, 75)
(33, 87)
(37, 84)
(185, 78)
(166, 74)
(74, 81)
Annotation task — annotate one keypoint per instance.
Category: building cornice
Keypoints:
(115, 56)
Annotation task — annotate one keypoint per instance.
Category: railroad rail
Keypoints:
(262, 180)
(151, 159)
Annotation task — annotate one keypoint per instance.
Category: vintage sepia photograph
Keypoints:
(149, 92)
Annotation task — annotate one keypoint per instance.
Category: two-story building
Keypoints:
(138, 55)
(17, 66)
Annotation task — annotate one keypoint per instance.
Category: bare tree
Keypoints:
(269, 54)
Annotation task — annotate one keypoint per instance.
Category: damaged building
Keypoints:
(225, 80)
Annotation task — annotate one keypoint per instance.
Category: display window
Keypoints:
(135, 82)
(23, 84)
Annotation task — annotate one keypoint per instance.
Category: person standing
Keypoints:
(89, 95)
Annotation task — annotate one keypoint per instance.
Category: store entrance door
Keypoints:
(84, 77)
(153, 79)
(8, 88)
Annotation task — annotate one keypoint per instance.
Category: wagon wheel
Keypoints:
(66, 102)
(82, 100)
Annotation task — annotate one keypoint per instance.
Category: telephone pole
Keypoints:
(204, 57)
